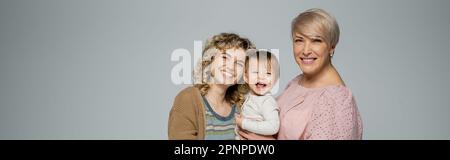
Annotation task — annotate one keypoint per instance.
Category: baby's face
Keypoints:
(260, 76)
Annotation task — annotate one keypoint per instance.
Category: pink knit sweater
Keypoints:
(318, 113)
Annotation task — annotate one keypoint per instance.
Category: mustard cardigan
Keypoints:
(187, 118)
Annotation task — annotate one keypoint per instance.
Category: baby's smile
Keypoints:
(260, 85)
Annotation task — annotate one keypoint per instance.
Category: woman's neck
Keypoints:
(327, 76)
(216, 93)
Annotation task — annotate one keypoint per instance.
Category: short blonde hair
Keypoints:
(319, 20)
(202, 72)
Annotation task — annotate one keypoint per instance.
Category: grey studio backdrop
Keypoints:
(84, 69)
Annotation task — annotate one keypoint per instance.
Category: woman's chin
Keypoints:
(225, 81)
(308, 69)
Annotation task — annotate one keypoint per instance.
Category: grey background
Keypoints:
(101, 69)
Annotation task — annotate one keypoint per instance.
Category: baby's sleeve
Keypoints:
(270, 123)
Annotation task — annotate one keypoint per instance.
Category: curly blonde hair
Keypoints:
(235, 94)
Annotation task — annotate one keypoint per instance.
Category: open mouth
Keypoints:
(260, 85)
(308, 60)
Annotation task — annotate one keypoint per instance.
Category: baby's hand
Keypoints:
(238, 120)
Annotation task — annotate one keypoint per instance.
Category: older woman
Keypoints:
(316, 104)
(207, 109)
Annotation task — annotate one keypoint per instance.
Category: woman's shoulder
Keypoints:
(337, 93)
(338, 97)
(294, 80)
(188, 91)
(336, 115)
(186, 96)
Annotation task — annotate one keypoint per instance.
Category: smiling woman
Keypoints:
(206, 110)
(316, 104)
(315, 35)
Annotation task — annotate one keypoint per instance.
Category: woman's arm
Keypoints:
(252, 136)
(336, 118)
(246, 135)
(181, 127)
(183, 123)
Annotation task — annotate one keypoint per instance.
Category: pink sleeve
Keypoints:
(335, 117)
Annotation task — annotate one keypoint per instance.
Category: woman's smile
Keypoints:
(308, 60)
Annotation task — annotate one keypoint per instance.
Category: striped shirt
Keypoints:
(219, 127)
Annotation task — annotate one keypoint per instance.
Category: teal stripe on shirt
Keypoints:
(219, 127)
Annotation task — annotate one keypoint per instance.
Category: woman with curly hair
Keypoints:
(207, 109)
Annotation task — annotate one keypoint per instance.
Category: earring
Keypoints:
(331, 54)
